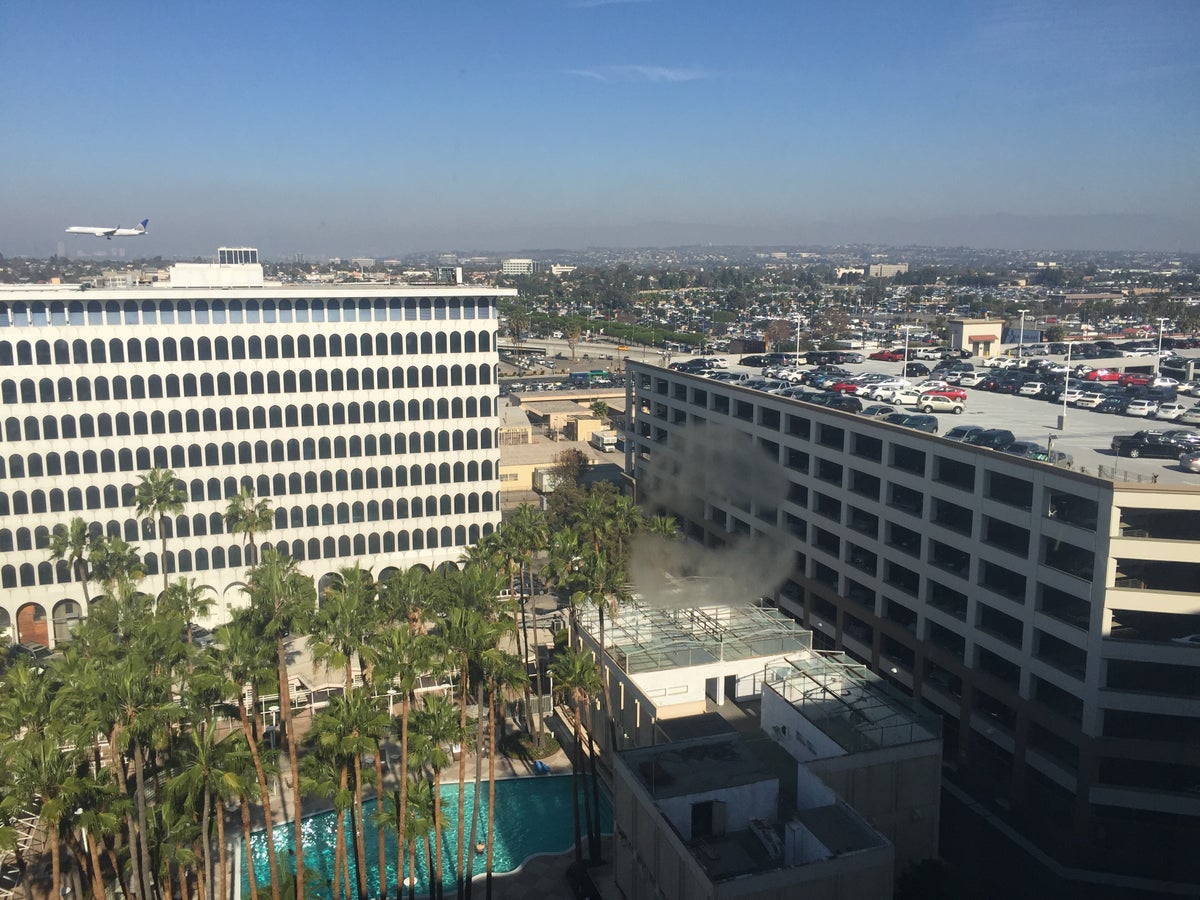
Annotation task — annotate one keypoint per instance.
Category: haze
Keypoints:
(388, 128)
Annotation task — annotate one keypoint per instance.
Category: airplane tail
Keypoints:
(142, 225)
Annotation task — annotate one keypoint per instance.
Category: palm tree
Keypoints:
(403, 656)
(525, 534)
(71, 542)
(577, 679)
(437, 727)
(112, 561)
(245, 516)
(347, 623)
(282, 601)
(245, 659)
(403, 597)
(471, 626)
(505, 675)
(159, 494)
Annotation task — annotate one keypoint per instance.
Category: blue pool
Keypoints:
(533, 815)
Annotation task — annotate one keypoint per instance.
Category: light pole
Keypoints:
(797, 337)
(1021, 336)
(904, 364)
(1158, 362)
(1062, 420)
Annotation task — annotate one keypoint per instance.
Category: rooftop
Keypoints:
(850, 704)
(641, 638)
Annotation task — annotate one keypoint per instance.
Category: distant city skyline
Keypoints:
(385, 129)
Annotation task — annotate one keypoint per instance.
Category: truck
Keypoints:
(604, 441)
(545, 480)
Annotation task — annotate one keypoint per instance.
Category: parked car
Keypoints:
(878, 411)
(1032, 389)
(1190, 417)
(915, 369)
(1103, 375)
(887, 355)
(951, 393)
(1156, 444)
(931, 403)
(1169, 412)
(970, 379)
(1112, 405)
(1141, 408)
(1135, 378)
(962, 432)
(919, 422)
(1087, 400)
(29, 653)
(1190, 462)
(992, 438)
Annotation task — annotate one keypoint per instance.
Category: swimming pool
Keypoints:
(533, 815)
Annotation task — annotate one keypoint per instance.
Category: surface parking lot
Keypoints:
(1086, 437)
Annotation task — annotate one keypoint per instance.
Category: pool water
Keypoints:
(533, 815)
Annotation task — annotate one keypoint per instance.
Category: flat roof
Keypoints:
(690, 767)
(849, 703)
(641, 638)
(1087, 435)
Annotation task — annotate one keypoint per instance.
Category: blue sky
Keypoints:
(390, 127)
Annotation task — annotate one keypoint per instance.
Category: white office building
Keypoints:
(365, 414)
(1039, 610)
(518, 267)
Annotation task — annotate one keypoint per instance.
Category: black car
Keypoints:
(1156, 444)
(962, 432)
(1112, 405)
(915, 369)
(1057, 349)
(992, 438)
(913, 420)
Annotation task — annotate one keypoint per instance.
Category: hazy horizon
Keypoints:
(384, 130)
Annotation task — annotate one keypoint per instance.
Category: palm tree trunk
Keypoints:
(139, 776)
(206, 836)
(360, 848)
(245, 804)
(55, 863)
(403, 804)
(340, 858)
(118, 766)
(462, 771)
(576, 765)
(285, 710)
(116, 867)
(480, 722)
(81, 574)
(437, 832)
(529, 722)
(96, 874)
(222, 862)
(265, 793)
(379, 832)
(412, 870)
(202, 879)
(491, 821)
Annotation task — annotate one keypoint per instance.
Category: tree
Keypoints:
(347, 623)
(282, 600)
(506, 676)
(159, 494)
(572, 333)
(436, 727)
(245, 516)
(523, 536)
(518, 323)
(71, 543)
(600, 410)
(577, 680)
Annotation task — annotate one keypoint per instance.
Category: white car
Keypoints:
(1169, 412)
(932, 384)
(971, 379)
(1163, 381)
(1087, 400)
(903, 397)
(1141, 408)
(1031, 389)
(1071, 395)
(883, 388)
(1190, 417)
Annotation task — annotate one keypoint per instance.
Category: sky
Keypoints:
(386, 128)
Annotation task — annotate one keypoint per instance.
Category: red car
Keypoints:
(952, 393)
(845, 387)
(1135, 378)
(887, 355)
(1103, 375)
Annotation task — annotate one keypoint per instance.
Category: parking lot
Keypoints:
(1087, 435)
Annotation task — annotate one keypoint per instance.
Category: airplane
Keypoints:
(110, 233)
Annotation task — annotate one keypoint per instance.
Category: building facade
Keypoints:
(1038, 609)
(365, 415)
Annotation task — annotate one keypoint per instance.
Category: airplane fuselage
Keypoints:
(109, 233)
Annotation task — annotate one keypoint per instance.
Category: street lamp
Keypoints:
(1158, 363)
(1062, 420)
(904, 365)
(1021, 336)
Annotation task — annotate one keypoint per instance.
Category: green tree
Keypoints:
(282, 601)
(246, 516)
(436, 727)
(506, 675)
(600, 410)
(572, 333)
(159, 493)
(71, 543)
(577, 680)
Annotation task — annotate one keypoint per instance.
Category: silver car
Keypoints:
(1190, 462)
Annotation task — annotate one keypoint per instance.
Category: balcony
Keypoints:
(1160, 524)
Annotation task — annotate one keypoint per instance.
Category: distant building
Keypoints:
(518, 267)
(978, 336)
(562, 270)
(885, 270)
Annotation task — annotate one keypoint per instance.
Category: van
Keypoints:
(604, 441)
